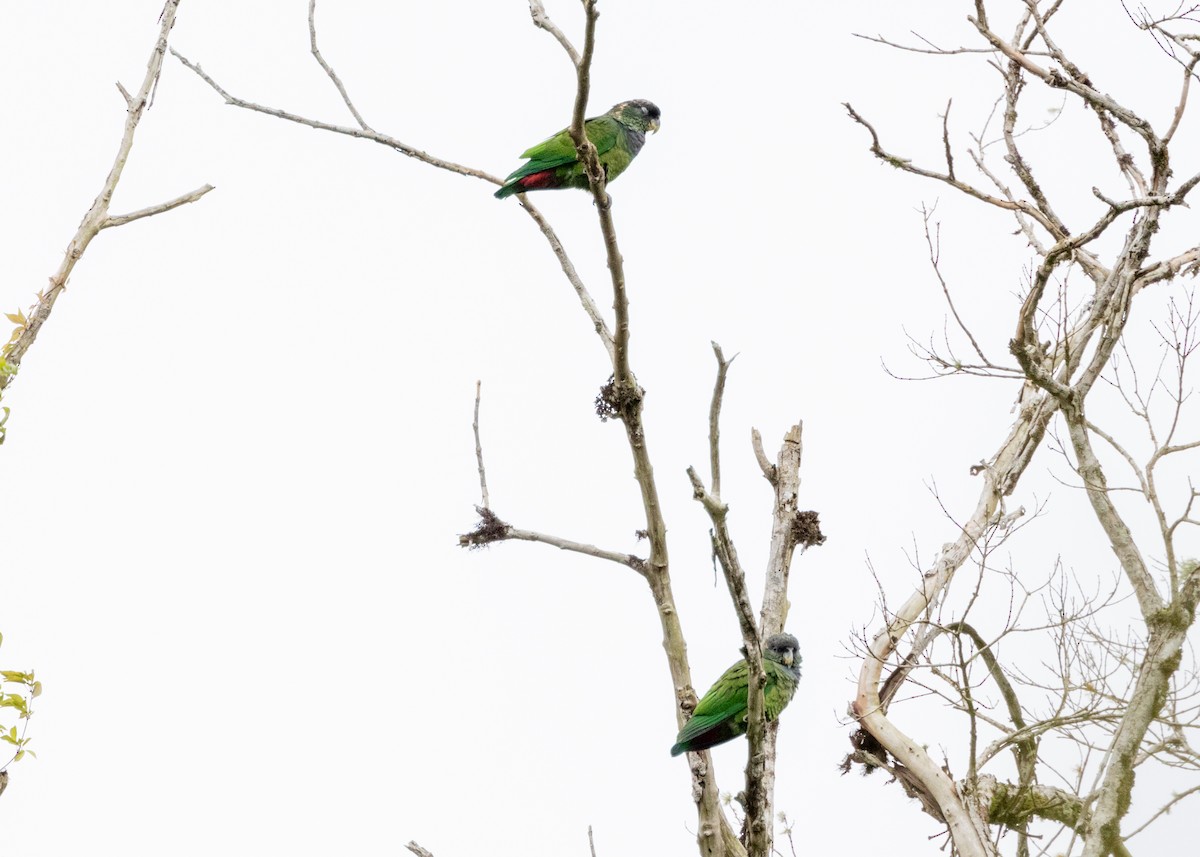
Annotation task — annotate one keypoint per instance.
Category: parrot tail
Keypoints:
(545, 180)
(701, 733)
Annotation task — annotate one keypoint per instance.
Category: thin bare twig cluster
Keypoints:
(1105, 701)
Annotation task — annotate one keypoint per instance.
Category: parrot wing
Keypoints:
(719, 716)
(559, 150)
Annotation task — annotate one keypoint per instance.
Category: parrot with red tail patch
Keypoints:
(618, 136)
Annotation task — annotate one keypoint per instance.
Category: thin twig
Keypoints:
(418, 850)
(946, 140)
(585, 297)
(935, 261)
(1164, 809)
(97, 217)
(714, 418)
(360, 133)
(337, 81)
(122, 219)
(583, 76)
(932, 49)
(542, 20)
(492, 529)
(1079, 85)
(636, 563)
(908, 166)
(760, 455)
(479, 449)
(1188, 71)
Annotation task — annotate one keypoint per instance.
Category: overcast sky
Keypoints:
(240, 451)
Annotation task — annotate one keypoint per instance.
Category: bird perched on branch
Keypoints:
(721, 715)
(618, 136)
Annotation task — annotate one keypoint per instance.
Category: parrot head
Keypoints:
(783, 649)
(638, 114)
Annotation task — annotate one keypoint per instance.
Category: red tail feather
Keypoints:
(539, 181)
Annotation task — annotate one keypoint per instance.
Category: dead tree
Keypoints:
(1120, 702)
(621, 399)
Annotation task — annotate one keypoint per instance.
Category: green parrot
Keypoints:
(618, 136)
(721, 715)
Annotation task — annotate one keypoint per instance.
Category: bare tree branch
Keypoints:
(492, 529)
(758, 798)
(1163, 810)
(935, 248)
(1078, 83)
(760, 455)
(150, 211)
(1114, 699)
(542, 20)
(362, 133)
(907, 166)
(636, 563)
(486, 503)
(714, 419)
(337, 81)
(932, 49)
(366, 133)
(97, 217)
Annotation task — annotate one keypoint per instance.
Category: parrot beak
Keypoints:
(789, 658)
(653, 126)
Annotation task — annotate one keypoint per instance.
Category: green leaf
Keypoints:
(16, 675)
(13, 733)
(15, 700)
(7, 740)
(20, 754)
(37, 689)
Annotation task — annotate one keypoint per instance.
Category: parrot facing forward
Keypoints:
(618, 136)
(721, 715)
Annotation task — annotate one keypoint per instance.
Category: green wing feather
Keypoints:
(559, 150)
(726, 704)
(728, 693)
(725, 700)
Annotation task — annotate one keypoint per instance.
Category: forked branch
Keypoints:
(97, 217)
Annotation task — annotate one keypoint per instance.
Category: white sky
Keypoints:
(240, 452)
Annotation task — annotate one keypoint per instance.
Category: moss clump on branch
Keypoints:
(618, 401)
(489, 529)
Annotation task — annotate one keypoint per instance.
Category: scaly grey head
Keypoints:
(783, 649)
(638, 114)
